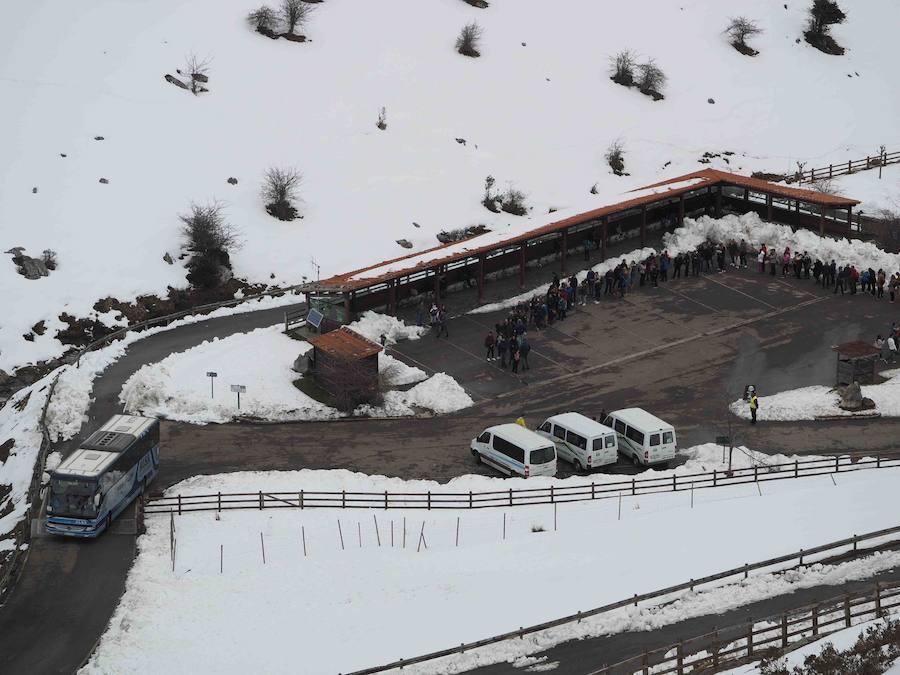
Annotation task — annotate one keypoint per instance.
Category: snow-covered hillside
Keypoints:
(537, 109)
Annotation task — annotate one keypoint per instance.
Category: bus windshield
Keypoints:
(74, 498)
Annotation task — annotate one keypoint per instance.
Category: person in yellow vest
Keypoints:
(754, 405)
(521, 422)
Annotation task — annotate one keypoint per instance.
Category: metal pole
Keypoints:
(457, 531)
(341, 534)
(377, 535)
(303, 534)
(263, 547)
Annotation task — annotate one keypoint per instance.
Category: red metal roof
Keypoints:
(705, 178)
(345, 343)
(856, 349)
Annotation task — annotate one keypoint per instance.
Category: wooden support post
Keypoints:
(719, 201)
(522, 264)
(797, 210)
(643, 225)
(604, 237)
(348, 307)
(392, 297)
(480, 278)
(680, 210)
(746, 195)
(822, 223)
(437, 285)
(769, 208)
(563, 250)
(849, 219)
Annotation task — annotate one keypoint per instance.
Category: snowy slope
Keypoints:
(540, 116)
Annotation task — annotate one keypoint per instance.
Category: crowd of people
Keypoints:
(508, 342)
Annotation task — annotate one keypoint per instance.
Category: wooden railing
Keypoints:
(307, 499)
(730, 647)
(844, 168)
(888, 537)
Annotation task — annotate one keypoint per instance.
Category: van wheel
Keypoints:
(577, 465)
(635, 460)
(477, 456)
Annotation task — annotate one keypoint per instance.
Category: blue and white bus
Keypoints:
(103, 476)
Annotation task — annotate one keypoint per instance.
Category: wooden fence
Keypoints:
(303, 499)
(887, 536)
(844, 168)
(727, 648)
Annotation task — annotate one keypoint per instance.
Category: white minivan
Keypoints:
(643, 438)
(513, 449)
(581, 441)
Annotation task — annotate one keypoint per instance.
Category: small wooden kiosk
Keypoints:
(345, 364)
(856, 362)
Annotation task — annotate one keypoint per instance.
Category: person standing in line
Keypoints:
(879, 283)
(893, 285)
(524, 349)
(742, 254)
(839, 281)
(761, 260)
(754, 406)
(502, 349)
(892, 348)
(773, 261)
(489, 343)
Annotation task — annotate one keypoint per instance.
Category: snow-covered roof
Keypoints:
(514, 433)
(531, 228)
(581, 424)
(641, 419)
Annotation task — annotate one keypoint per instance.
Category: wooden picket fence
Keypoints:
(307, 499)
(844, 168)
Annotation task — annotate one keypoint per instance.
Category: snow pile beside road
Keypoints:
(178, 388)
(372, 325)
(191, 619)
(808, 403)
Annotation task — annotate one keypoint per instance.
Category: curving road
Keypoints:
(683, 351)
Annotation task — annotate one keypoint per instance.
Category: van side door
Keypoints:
(559, 440)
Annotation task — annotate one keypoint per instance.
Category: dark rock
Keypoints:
(711, 100)
(281, 210)
(405, 243)
(523, 44)
(200, 77)
(105, 181)
(62, 154)
(269, 33)
(416, 224)
(168, 258)
(771, 177)
(39, 328)
(294, 37)
(174, 80)
(232, 181)
(34, 190)
(32, 268)
(29, 337)
(461, 141)
(99, 138)
(6, 446)
(852, 399)
(480, 4)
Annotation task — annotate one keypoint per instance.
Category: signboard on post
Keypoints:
(212, 375)
(238, 389)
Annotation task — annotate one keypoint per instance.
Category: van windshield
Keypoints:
(542, 456)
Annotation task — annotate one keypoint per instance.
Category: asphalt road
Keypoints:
(682, 351)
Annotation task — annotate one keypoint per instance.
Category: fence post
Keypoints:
(260, 500)
(715, 648)
(877, 599)
(855, 541)
(385, 500)
(680, 658)
(552, 498)
(429, 500)
(837, 465)
(850, 166)
(633, 493)
(343, 499)
(715, 476)
(815, 619)
(750, 639)
(645, 663)
(877, 461)
(829, 171)
(746, 570)
(796, 469)
(784, 631)
(592, 491)
(470, 499)
(674, 483)
(301, 499)
(756, 473)
(219, 505)
(511, 497)
(847, 618)
(179, 504)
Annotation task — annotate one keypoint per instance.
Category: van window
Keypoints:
(634, 435)
(668, 437)
(620, 426)
(504, 447)
(654, 439)
(610, 441)
(542, 456)
(485, 437)
(608, 421)
(576, 440)
(597, 444)
(546, 426)
(559, 432)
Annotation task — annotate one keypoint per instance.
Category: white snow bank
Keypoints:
(372, 325)
(177, 387)
(807, 403)
(193, 619)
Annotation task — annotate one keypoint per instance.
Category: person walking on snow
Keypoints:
(754, 405)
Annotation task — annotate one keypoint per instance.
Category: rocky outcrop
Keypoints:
(852, 399)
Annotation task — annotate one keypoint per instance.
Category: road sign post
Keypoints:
(212, 383)
(238, 389)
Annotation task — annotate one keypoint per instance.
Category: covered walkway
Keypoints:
(643, 212)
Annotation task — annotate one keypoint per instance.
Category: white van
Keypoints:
(644, 438)
(581, 441)
(513, 449)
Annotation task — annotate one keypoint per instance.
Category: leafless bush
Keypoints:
(280, 188)
(622, 67)
(513, 201)
(739, 29)
(382, 119)
(651, 79)
(210, 239)
(295, 13)
(263, 20)
(469, 38)
(490, 199)
(197, 69)
(823, 14)
(49, 258)
(825, 185)
(615, 157)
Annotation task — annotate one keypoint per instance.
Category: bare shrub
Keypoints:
(739, 30)
(279, 189)
(822, 16)
(197, 69)
(209, 238)
(295, 13)
(263, 20)
(651, 79)
(825, 185)
(513, 202)
(382, 119)
(490, 199)
(615, 157)
(469, 39)
(622, 66)
(49, 258)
